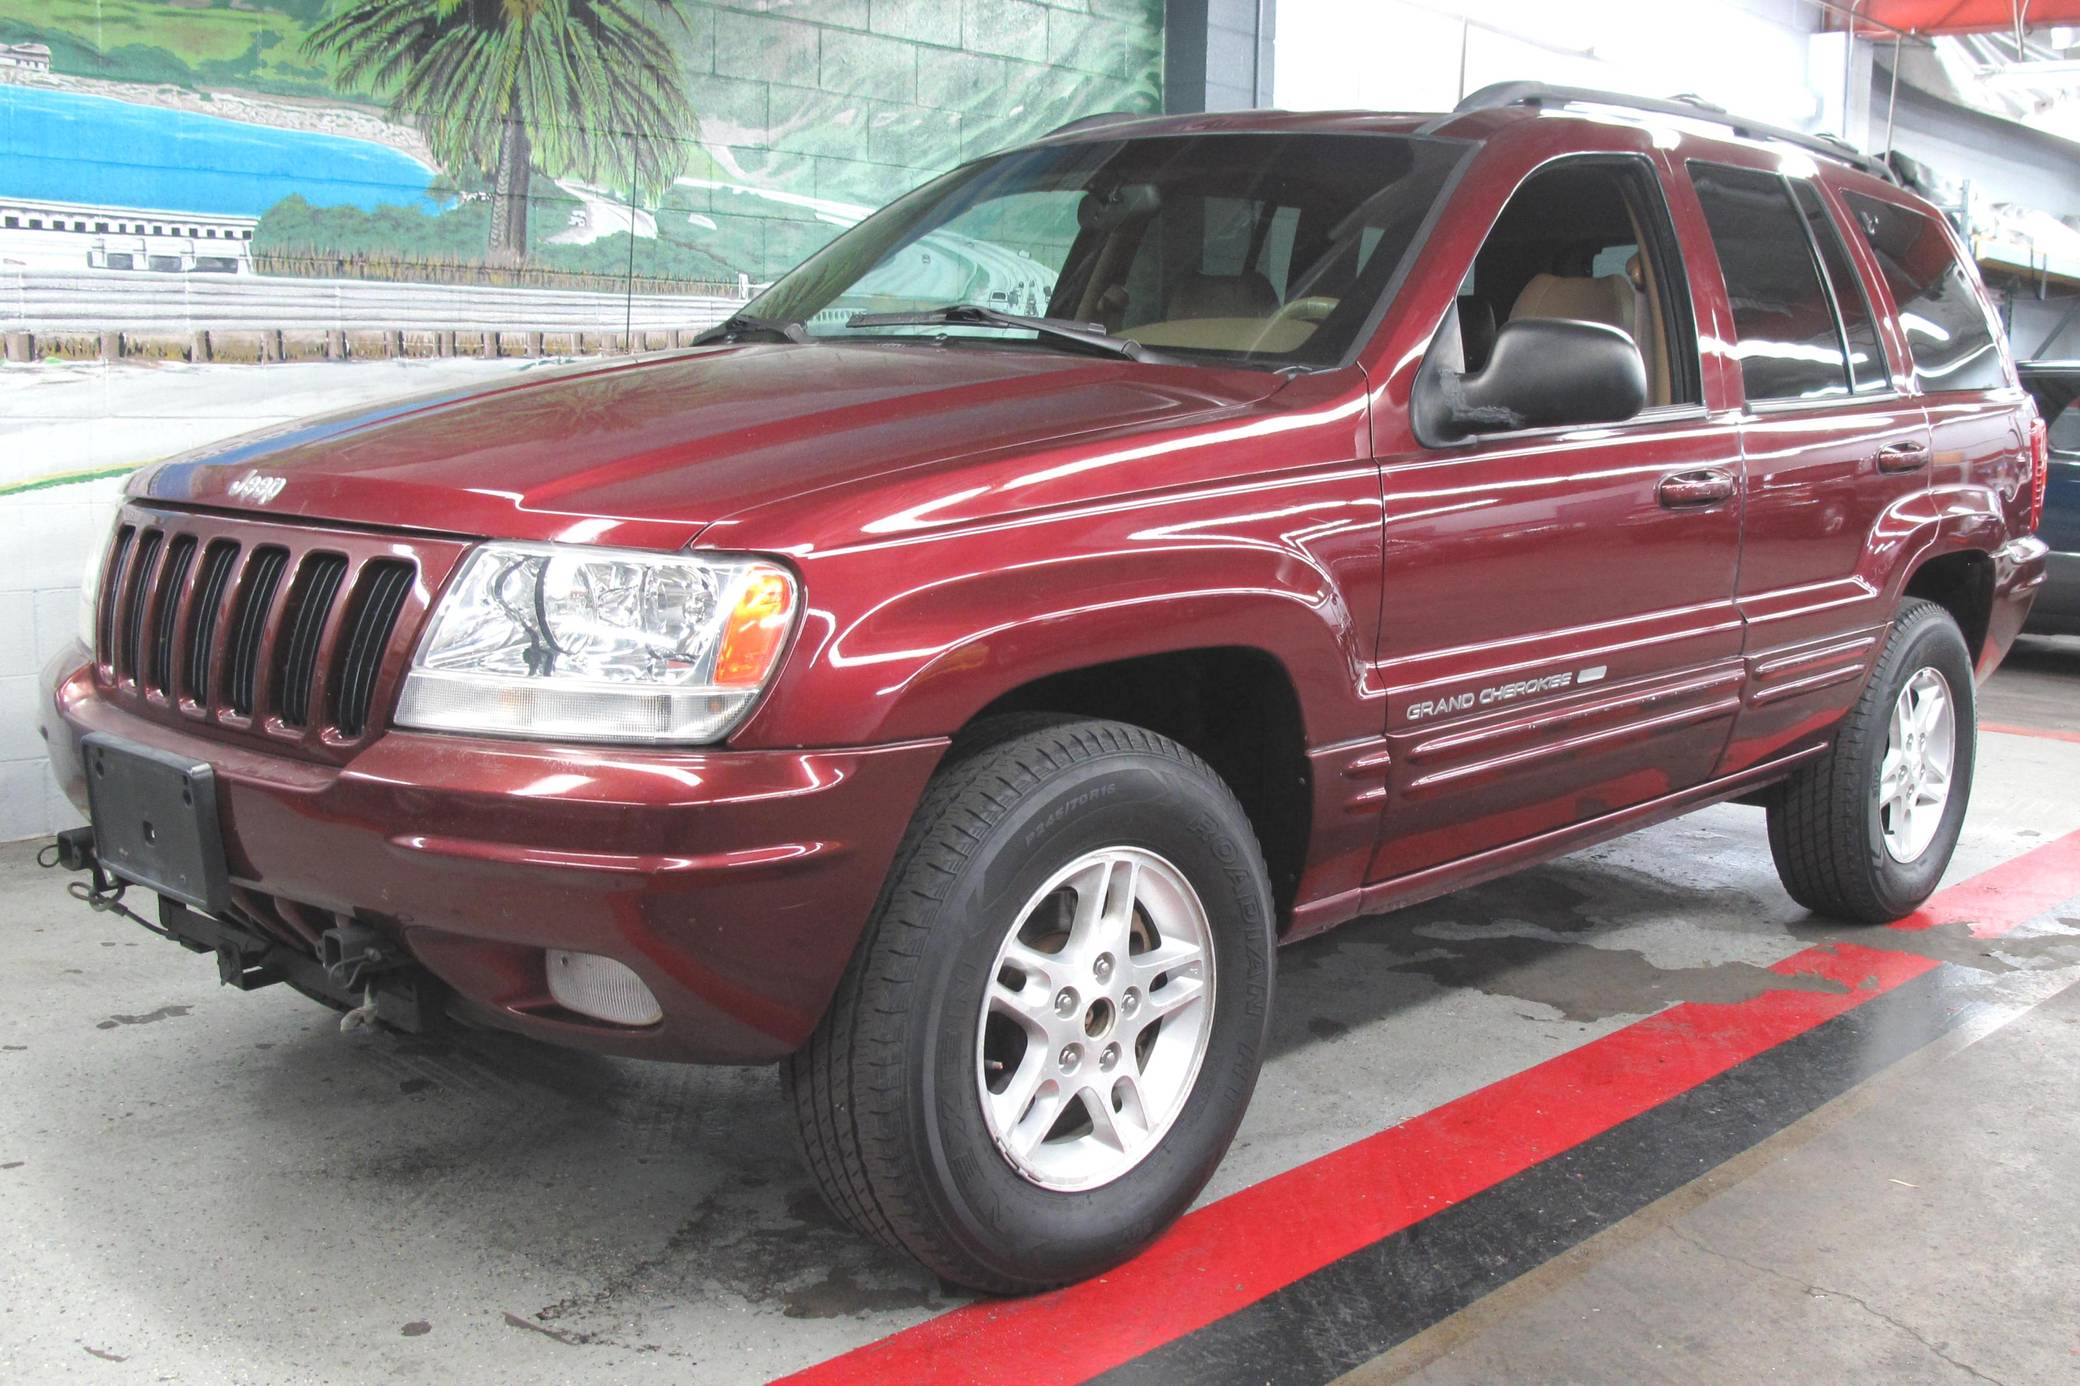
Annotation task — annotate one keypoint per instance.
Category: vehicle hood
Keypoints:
(648, 453)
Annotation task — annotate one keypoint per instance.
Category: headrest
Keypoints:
(1606, 299)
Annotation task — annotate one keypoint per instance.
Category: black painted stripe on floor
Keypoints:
(1354, 1309)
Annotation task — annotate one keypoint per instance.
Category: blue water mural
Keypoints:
(70, 147)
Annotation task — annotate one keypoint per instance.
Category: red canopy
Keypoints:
(1956, 16)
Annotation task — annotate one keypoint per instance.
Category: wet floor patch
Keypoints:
(771, 1245)
(2028, 949)
(163, 1013)
(1552, 936)
(1587, 982)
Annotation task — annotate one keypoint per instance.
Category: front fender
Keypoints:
(916, 637)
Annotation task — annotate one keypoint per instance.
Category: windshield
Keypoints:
(1269, 250)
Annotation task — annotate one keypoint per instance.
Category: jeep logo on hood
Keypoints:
(257, 487)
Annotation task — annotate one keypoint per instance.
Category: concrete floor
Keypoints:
(208, 1186)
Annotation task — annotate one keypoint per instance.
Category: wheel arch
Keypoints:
(1961, 581)
(1236, 707)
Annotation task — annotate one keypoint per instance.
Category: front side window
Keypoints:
(1789, 344)
(1262, 250)
(1947, 329)
(1588, 240)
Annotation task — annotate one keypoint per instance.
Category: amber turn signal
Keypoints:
(756, 629)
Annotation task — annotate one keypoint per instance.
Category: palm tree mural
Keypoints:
(584, 89)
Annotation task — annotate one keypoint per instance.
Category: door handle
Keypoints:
(1687, 489)
(1902, 457)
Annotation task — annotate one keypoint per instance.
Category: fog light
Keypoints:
(601, 988)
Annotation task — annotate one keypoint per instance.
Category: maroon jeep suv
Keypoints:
(953, 677)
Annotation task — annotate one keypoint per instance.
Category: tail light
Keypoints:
(2039, 470)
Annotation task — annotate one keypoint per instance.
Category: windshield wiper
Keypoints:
(745, 325)
(1089, 335)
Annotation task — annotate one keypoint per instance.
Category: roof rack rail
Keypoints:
(1689, 107)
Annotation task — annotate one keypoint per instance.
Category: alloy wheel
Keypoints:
(1914, 778)
(1096, 1020)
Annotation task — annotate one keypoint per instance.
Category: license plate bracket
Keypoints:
(155, 820)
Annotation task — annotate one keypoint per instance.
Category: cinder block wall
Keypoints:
(802, 104)
(855, 101)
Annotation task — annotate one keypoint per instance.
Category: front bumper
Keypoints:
(734, 883)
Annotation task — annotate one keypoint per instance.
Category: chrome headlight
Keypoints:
(593, 644)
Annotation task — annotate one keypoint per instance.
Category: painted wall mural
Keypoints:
(375, 197)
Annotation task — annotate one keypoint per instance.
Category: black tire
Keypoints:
(884, 1094)
(1825, 829)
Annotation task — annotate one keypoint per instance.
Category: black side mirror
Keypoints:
(1541, 373)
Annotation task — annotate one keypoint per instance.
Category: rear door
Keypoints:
(1975, 408)
(1559, 641)
(1830, 445)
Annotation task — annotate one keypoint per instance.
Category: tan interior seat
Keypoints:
(1608, 299)
(1650, 332)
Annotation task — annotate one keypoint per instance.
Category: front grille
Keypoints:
(171, 586)
(112, 583)
(255, 603)
(384, 586)
(138, 592)
(260, 630)
(217, 561)
(310, 606)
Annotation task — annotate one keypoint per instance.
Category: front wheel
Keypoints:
(1050, 1031)
(1866, 832)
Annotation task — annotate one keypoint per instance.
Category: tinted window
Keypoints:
(1859, 329)
(1789, 345)
(1947, 329)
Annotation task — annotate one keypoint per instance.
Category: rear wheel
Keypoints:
(1047, 1038)
(1866, 832)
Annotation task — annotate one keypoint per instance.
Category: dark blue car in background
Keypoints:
(2056, 384)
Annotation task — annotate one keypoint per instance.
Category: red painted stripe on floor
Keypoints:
(2047, 733)
(1237, 1250)
(1997, 900)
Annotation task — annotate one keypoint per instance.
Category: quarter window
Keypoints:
(1947, 328)
(1790, 346)
(1859, 329)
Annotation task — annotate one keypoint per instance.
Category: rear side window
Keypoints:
(1859, 329)
(1947, 327)
(1789, 346)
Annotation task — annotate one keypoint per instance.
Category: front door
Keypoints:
(1559, 640)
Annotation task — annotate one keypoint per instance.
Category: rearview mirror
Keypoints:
(1541, 373)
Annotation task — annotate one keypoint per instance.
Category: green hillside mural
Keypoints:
(668, 145)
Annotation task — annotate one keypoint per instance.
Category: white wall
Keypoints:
(44, 535)
(1762, 58)
(59, 419)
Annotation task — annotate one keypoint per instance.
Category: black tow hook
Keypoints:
(73, 851)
